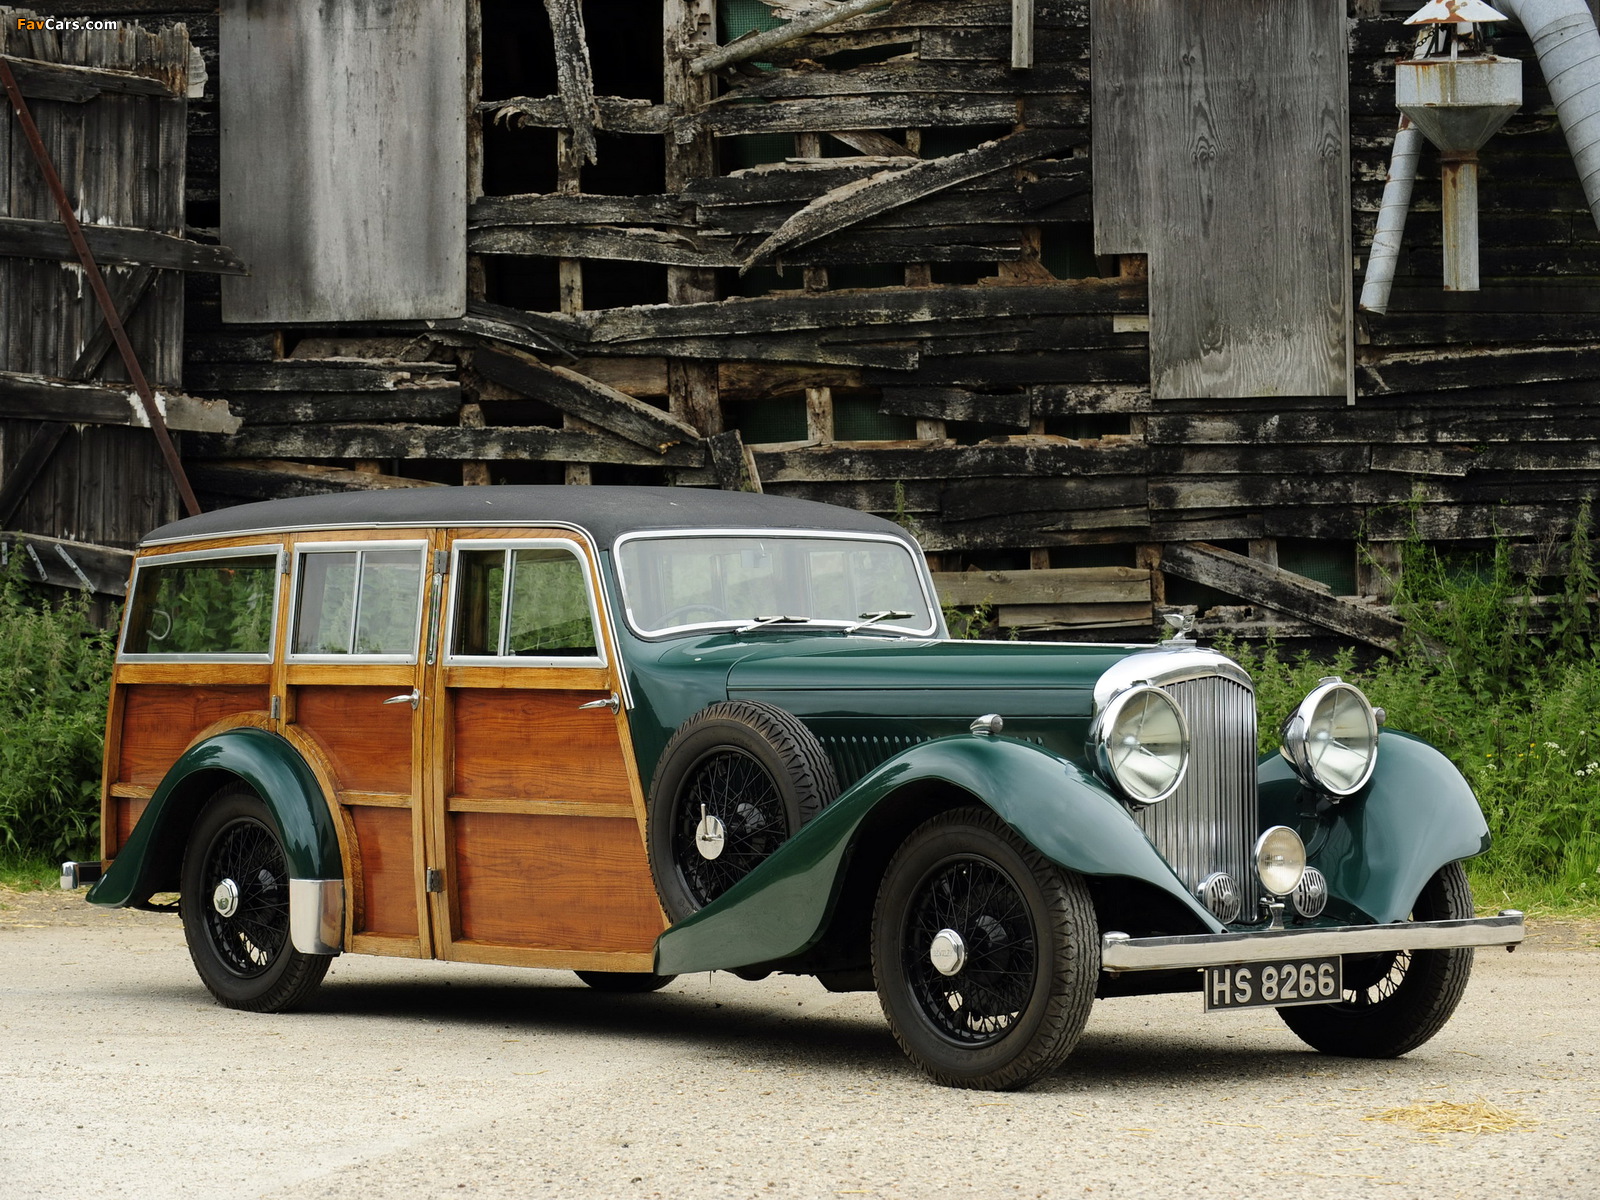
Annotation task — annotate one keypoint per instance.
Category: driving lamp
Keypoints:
(1331, 739)
(1280, 860)
(1140, 742)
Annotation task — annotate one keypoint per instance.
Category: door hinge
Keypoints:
(277, 707)
(434, 880)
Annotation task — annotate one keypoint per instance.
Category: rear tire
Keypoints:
(1396, 1001)
(1010, 1003)
(235, 907)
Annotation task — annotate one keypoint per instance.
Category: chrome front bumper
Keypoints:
(1119, 952)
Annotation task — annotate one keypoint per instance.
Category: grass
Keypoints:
(28, 872)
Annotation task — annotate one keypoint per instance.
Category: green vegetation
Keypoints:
(27, 872)
(1510, 690)
(55, 667)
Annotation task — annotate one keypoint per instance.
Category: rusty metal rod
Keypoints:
(158, 424)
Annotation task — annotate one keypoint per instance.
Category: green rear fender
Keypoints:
(1381, 846)
(152, 859)
(784, 906)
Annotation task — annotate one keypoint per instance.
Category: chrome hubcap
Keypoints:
(947, 952)
(225, 899)
(710, 835)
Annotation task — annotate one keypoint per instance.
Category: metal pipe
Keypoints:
(1568, 48)
(1385, 251)
(1458, 182)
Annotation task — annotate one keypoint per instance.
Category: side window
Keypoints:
(218, 605)
(523, 602)
(358, 602)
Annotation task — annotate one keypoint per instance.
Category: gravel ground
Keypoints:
(120, 1077)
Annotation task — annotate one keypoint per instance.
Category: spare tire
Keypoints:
(735, 782)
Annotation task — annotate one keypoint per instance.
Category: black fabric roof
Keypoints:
(605, 512)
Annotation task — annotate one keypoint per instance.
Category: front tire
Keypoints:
(1396, 1001)
(235, 907)
(985, 953)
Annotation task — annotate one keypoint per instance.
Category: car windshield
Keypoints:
(772, 581)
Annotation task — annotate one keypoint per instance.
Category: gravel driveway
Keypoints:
(120, 1077)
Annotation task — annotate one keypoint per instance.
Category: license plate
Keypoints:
(1275, 983)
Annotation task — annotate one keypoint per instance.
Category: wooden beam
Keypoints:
(126, 295)
(1057, 585)
(574, 75)
(752, 44)
(1287, 592)
(273, 479)
(857, 202)
(114, 245)
(38, 397)
(957, 404)
(586, 398)
(75, 85)
(534, 443)
(78, 565)
(428, 402)
(29, 464)
(732, 462)
(618, 114)
(314, 375)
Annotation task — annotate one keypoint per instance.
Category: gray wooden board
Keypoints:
(344, 159)
(1221, 152)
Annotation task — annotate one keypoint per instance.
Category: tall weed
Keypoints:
(55, 671)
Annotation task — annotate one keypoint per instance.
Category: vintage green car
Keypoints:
(634, 732)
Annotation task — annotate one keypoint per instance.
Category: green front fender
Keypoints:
(784, 906)
(151, 860)
(1381, 846)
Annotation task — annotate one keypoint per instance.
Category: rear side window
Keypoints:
(204, 607)
(529, 602)
(363, 603)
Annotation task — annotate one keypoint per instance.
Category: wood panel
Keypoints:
(126, 812)
(317, 207)
(553, 883)
(1237, 188)
(368, 742)
(160, 720)
(537, 745)
(388, 871)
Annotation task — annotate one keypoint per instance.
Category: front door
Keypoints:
(535, 812)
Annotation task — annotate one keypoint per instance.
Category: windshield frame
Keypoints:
(913, 551)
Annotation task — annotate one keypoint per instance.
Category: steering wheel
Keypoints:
(669, 619)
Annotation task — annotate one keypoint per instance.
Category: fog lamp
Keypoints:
(1280, 860)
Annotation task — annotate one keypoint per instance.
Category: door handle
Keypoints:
(413, 697)
(611, 702)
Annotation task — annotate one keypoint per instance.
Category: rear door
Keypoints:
(535, 810)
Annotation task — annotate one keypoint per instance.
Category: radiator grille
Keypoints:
(1210, 823)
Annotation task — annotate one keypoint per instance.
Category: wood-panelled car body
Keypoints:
(637, 731)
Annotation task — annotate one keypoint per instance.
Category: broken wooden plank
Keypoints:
(732, 462)
(745, 48)
(574, 75)
(1075, 399)
(588, 399)
(81, 566)
(313, 375)
(427, 402)
(581, 209)
(907, 78)
(879, 194)
(824, 114)
(1056, 585)
(503, 443)
(126, 294)
(1285, 591)
(113, 245)
(1027, 456)
(38, 397)
(1075, 616)
(957, 404)
(618, 114)
(76, 85)
(274, 479)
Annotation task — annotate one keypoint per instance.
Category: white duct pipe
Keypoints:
(1385, 251)
(1568, 48)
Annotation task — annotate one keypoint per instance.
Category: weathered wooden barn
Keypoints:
(1067, 286)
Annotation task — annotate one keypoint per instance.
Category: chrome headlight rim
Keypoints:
(1296, 748)
(1104, 726)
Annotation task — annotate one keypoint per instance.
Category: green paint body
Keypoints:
(266, 762)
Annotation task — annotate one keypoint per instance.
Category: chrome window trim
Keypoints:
(301, 550)
(288, 530)
(919, 564)
(262, 550)
(589, 562)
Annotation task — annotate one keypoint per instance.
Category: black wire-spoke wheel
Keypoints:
(985, 953)
(736, 781)
(1395, 1001)
(235, 906)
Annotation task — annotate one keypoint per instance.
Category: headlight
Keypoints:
(1140, 742)
(1280, 860)
(1331, 740)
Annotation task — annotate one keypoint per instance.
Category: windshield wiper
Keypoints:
(780, 619)
(874, 617)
